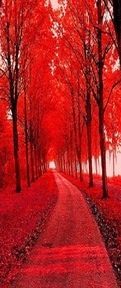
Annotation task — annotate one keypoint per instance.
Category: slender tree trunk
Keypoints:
(75, 165)
(71, 164)
(63, 163)
(16, 151)
(86, 168)
(35, 161)
(100, 101)
(26, 143)
(66, 168)
(40, 169)
(114, 154)
(69, 170)
(80, 171)
(89, 143)
(80, 165)
(99, 164)
(69, 161)
(110, 156)
(87, 48)
(103, 152)
(79, 132)
(32, 162)
(96, 165)
(89, 146)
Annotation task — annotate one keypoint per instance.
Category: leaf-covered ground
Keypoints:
(22, 217)
(107, 214)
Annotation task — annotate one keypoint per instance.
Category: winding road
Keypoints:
(70, 252)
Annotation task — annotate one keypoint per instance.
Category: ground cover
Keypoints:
(23, 216)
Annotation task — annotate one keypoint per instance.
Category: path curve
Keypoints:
(71, 252)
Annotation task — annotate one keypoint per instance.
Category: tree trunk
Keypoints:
(71, 165)
(100, 100)
(99, 164)
(26, 143)
(80, 171)
(89, 143)
(32, 162)
(87, 50)
(103, 152)
(36, 162)
(75, 166)
(96, 165)
(77, 134)
(80, 166)
(114, 154)
(16, 151)
(40, 169)
(63, 163)
(89, 138)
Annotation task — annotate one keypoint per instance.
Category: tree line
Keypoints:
(59, 87)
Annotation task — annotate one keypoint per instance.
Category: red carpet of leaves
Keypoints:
(111, 207)
(19, 216)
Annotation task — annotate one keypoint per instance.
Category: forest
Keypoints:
(59, 88)
(60, 114)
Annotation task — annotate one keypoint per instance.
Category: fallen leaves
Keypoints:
(21, 225)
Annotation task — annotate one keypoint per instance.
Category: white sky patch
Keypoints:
(55, 4)
(52, 165)
(109, 164)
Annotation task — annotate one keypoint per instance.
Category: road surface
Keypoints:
(71, 252)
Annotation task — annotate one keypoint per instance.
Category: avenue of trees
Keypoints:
(60, 88)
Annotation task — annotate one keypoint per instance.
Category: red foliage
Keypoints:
(19, 218)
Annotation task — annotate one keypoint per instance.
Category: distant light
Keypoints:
(55, 4)
(52, 165)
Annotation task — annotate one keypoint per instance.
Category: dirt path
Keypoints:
(70, 253)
